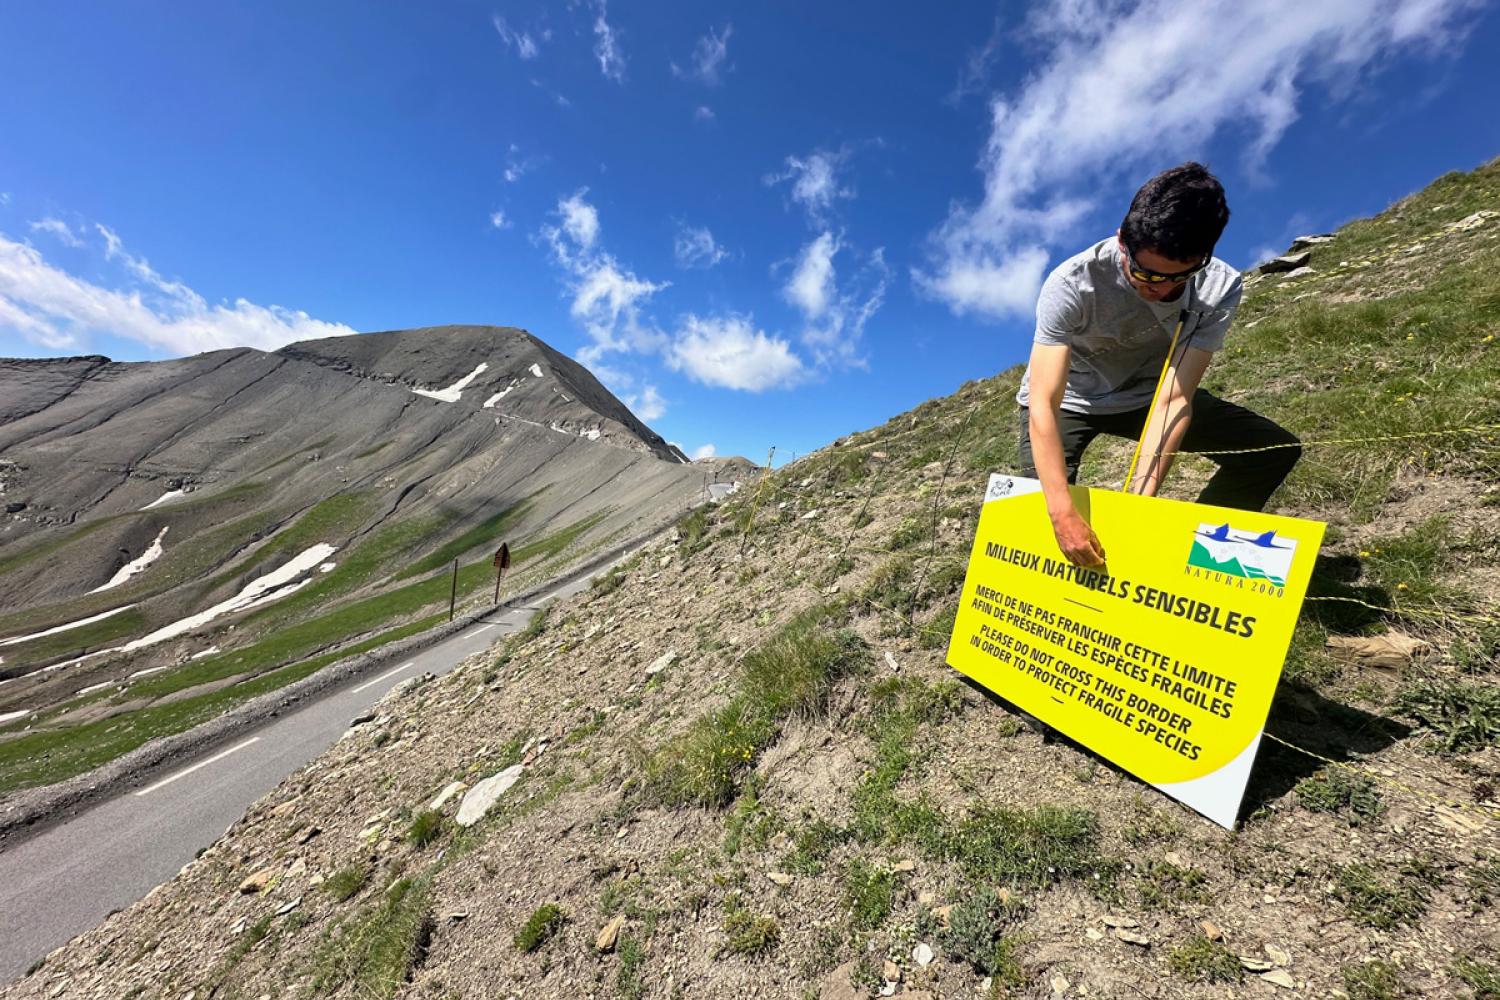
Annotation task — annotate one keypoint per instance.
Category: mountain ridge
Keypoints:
(237, 462)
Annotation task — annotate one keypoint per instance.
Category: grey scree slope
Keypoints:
(257, 440)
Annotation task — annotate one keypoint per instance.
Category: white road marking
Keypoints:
(388, 673)
(202, 763)
(484, 628)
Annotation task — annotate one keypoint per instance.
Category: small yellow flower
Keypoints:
(1363, 553)
(1400, 586)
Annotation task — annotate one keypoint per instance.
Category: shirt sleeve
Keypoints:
(1059, 310)
(1215, 320)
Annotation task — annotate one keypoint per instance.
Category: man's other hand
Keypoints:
(1077, 540)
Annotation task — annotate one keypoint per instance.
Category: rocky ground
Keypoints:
(832, 851)
(739, 766)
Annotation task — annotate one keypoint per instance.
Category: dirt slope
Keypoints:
(745, 771)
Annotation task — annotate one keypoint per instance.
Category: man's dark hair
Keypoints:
(1180, 214)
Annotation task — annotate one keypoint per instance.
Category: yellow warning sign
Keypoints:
(1166, 659)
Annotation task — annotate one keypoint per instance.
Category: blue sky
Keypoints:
(760, 224)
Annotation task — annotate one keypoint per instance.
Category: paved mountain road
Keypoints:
(65, 880)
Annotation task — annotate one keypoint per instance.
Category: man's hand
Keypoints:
(1077, 540)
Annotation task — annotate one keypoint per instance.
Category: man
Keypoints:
(1104, 321)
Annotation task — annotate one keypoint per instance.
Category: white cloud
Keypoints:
(498, 219)
(815, 182)
(989, 284)
(835, 319)
(1080, 119)
(703, 451)
(708, 57)
(59, 229)
(704, 113)
(518, 165)
(812, 283)
(728, 351)
(607, 297)
(696, 247)
(524, 42)
(4, 198)
(648, 405)
(607, 47)
(580, 219)
(57, 310)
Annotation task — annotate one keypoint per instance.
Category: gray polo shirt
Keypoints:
(1118, 339)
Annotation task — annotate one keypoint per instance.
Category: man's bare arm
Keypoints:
(1168, 421)
(1049, 377)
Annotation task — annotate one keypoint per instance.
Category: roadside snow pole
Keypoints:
(453, 597)
(502, 563)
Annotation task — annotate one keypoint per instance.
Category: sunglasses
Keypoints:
(1150, 277)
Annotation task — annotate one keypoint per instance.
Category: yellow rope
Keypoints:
(1160, 381)
(1488, 812)
(1429, 612)
(1381, 439)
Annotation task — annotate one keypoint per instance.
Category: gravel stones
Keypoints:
(484, 795)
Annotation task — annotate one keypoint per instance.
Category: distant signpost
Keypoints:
(502, 563)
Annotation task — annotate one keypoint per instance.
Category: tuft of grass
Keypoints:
(910, 531)
(1033, 848)
(1481, 977)
(1373, 981)
(846, 466)
(790, 675)
(749, 933)
(869, 893)
(811, 844)
(1484, 881)
(1479, 651)
(937, 633)
(1338, 790)
(891, 585)
(535, 626)
(1203, 961)
(346, 883)
(976, 933)
(1410, 566)
(705, 764)
(632, 957)
(748, 824)
(1384, 900)
(693, 531)
(379, 948)
(900, 708)
(545, 921)
(1163, 884)
(608, 583)
(426, 827)
(1464, 715)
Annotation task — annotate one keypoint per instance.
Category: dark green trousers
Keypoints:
(1244, 482)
